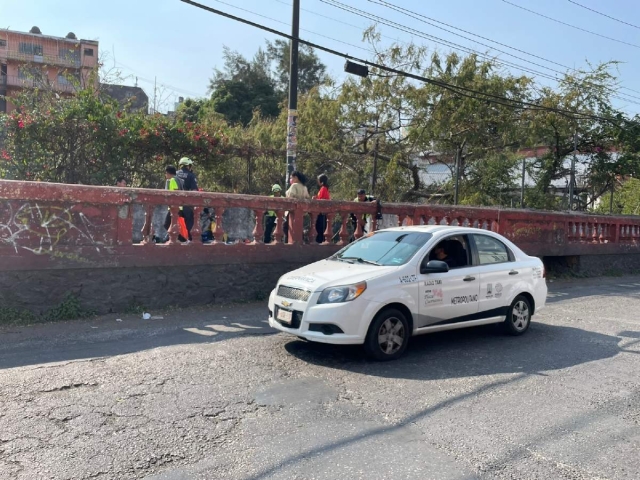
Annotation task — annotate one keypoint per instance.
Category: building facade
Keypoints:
(33, 60)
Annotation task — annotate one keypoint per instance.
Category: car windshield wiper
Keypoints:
(361, 260)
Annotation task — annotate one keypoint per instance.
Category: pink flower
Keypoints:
(5, 155)
(20, 124)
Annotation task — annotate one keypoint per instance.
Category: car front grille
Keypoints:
(293, 293)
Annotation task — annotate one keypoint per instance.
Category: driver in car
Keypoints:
(441, 252)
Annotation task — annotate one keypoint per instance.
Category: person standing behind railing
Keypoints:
(298, 191)
(174, 183)
(191, 185)
(271, 217)
(323, 194)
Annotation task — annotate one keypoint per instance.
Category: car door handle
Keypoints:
(469, 279)
(514, 272)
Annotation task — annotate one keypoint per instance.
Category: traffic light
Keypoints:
(356, 69)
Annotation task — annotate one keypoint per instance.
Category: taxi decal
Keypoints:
(464, 299)
(408, 278)
(433, 296)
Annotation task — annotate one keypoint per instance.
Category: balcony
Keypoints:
(18, 82)
(69, 61)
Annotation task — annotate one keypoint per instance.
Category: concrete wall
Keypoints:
(57, 240)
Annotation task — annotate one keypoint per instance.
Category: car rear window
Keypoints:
(387, 248)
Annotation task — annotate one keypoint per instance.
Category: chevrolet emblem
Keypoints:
(286, 304)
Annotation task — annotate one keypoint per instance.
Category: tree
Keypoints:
(311, 71)
(597, 126)
(244, 86)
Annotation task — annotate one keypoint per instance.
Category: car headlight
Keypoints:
(344, 293)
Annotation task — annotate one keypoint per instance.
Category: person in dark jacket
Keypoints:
(190, 184)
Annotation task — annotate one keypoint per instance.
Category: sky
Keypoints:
(178, 45)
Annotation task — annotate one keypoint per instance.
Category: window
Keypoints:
(88, 52)
(454, 251)
(491, 250)
(30, 48)
(26, 73)
(68, 79)
(69, 55)
(3, 42)
(384, 248)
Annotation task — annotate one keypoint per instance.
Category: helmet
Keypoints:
(185, 161)
(276, 188)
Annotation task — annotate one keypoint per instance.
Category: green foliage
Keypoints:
(16, 316)
(385, 130)
(68, 309)
(311, 71)
(491, 181)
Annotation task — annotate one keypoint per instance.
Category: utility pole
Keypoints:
(456, 191)
(375, 162)
(155, 93)
(524, 172)
(572, 176)
(613, 191)
(292, 120)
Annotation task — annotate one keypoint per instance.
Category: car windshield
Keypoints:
(388, 248)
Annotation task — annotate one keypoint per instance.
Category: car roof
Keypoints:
(435, 229)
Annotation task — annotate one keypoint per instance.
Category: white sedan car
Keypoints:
(399, 282)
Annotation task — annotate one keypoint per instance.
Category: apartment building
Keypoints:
(30, 60)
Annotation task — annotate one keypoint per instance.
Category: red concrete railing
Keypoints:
(46, 225)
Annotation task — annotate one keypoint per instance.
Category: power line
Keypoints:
(422, 18)
(412, 31)
(146, 80)
(572, 26)
(491, 98)
(604, 14)
(456, 46)
(288, 24)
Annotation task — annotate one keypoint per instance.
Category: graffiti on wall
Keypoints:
(42, 229)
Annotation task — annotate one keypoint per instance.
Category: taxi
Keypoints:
(399, 282)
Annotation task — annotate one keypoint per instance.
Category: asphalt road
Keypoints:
(208, 394)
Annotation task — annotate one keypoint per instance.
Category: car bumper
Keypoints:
(351, 317)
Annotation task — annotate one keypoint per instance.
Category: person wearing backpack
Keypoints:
(172, 182)
(190, 184)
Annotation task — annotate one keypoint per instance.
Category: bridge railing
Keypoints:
(65, 220)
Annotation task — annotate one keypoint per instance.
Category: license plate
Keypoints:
(285, 315)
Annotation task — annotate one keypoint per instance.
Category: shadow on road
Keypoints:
(471, 352)
(74, 341)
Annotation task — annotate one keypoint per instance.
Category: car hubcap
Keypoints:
(391, 335)
(520, 316)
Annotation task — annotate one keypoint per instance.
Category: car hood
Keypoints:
(326, 273)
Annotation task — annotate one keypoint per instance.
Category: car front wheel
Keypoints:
(388, 335)
(519, 316)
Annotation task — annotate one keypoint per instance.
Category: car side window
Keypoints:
(454, 251)
(491, 250)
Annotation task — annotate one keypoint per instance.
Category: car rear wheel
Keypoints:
(388, 335)
(518, 316)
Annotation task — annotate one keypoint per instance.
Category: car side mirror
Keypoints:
(434, 266)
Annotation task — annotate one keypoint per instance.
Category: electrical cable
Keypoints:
(411, 13)
(491, 98)
(410, 30)
(572, 26)
(604, 14)
(288, 24)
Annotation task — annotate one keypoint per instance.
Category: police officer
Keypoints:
(190, 184)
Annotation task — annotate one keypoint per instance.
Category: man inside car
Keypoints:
(442, 253)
